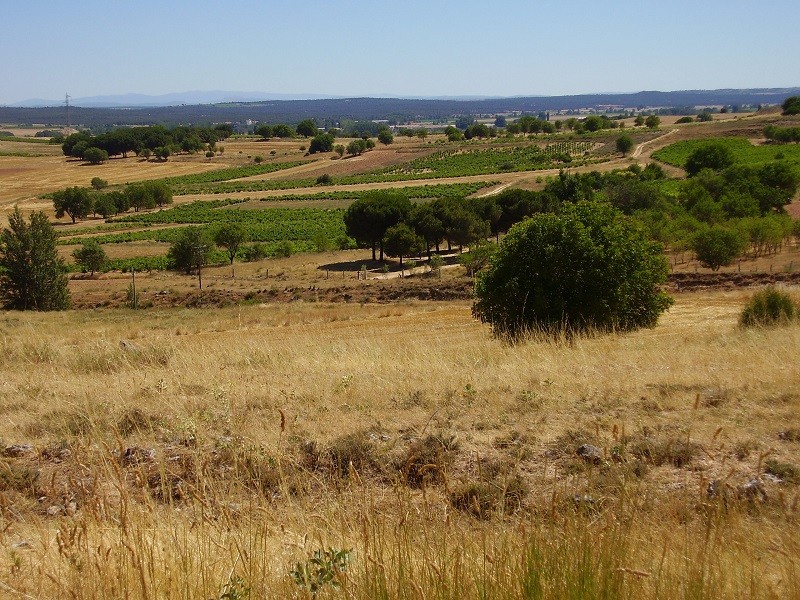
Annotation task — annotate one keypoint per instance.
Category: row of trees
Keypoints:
(78, 202)
(155, 140)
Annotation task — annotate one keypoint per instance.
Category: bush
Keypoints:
(770, 306)
(255, 252)
(587, 268)
(714, 155)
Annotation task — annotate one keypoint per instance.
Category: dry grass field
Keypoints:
(210, 452)
(198, 453)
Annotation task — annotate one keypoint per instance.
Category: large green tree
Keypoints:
(191, 250)
(90, 256)
(588, 268)
(791, 106)
(368, 218)
(230, 236)
(307, 128)
(74, 202)
(31, 271)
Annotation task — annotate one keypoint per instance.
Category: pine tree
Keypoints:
(31, 271)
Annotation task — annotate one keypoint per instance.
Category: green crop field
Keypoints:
(744, 153)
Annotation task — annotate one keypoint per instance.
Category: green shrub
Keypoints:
(770, 306)
(587, 268)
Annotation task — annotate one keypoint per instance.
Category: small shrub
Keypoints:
(258, 159)
(428, 459)
(786, 471)
(324, 179)
(768, 307)
(324, 568)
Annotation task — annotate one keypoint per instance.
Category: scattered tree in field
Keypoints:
(684, 120)
(791, 106)
(307, 128)
(282, 131)
(705, 117)
(95, 156)
(586, 268)
(652, 122)
(230, 236)
(265, 131)
(74, 202)
(31, 271)
(90, 256)
(400, 240)
(453, 134)
(322, 142)
(421, 133)
(385, 136)
(717, 246)
(624, 144)
(99, 184)
(162, 152)
(359, 146)
(191, 250)
(339, 149)
(713, 155)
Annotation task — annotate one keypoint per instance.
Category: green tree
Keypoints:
(713, 155)
(385, 136)
(104, 205)
(74, 202)
(638, 121)
(367, 219)
(400, 240)
(90, 256)
(791, 106)
(624, 144)
(265, 131)
(282, 131)
(31, 271)
(717, 246)
(586, 268)
(652, 122)
(322, 142)
(191, 250)
(95, 156)
(98, 184)
(162, 152)
(230, 236)
(307, 128)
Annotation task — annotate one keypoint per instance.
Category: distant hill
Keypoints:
(399, 109)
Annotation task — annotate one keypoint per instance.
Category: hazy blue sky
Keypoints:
(400, 48)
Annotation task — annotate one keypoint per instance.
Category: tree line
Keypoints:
(155, 140)
(79, 202)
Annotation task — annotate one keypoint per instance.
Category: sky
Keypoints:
(403, 48)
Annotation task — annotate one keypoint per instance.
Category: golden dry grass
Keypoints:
(235, 402)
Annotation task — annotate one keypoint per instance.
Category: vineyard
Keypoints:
(744, 153)
(180, 184)
(297, 225)
(448, 163)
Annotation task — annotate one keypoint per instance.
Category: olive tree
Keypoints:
(588, 268)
